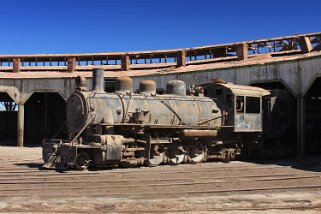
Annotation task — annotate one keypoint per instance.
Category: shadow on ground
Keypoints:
(312, 164)
(30, 165)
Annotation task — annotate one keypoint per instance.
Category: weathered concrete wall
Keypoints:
(20, 90)
(297, 75)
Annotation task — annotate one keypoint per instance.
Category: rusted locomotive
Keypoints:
(146, 128)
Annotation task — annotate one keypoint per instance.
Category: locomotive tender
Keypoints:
(146, 128)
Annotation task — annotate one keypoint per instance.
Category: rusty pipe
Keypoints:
(199, 133)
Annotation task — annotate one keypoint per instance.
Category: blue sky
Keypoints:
(82, 26)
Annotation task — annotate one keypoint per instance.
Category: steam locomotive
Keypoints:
(216, 120)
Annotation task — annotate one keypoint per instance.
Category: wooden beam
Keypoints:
(125, 63)
(242, 51)
(71, 67)
(305, 44)
(181, 58)
(16, 65)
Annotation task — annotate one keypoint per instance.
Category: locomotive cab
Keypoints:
(241, 105)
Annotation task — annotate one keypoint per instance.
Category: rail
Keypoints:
(126, 61)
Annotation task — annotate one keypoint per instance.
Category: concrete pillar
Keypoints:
(300, 127)
(181, 58)
(20, 125)
(125, 63)
(71, 67)
(46, 115)
(305, 44)
(16, 65)
(242, 51)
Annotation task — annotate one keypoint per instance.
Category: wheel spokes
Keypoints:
(177, 159)
(196, 152)
(156, 156)
(155, 160)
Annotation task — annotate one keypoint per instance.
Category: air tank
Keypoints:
(123, 84)
(177, 87)
(147, 87)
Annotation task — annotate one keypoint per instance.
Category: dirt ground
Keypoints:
(286, 186)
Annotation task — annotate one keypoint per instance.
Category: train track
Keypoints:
(129, 189)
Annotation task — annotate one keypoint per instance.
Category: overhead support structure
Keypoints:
(305, 44)
(124, 61)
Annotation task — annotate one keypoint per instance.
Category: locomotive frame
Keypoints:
(195, 127)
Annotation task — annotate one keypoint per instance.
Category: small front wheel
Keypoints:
(82, 161)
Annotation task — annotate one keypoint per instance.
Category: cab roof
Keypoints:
(242, 89)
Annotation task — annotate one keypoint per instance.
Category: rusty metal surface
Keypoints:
(248, 122)
(199, 133)
(156, 109)
(241, 105)
(123, 84)
(98, 80)
(145, 128)
(147, 86)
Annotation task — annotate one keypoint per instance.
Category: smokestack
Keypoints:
(98, 80)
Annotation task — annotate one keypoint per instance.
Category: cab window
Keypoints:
(240, 104)
(253, 105)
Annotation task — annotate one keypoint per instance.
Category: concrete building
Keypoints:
(34, 88)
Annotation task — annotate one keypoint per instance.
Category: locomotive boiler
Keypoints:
(145, 128)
